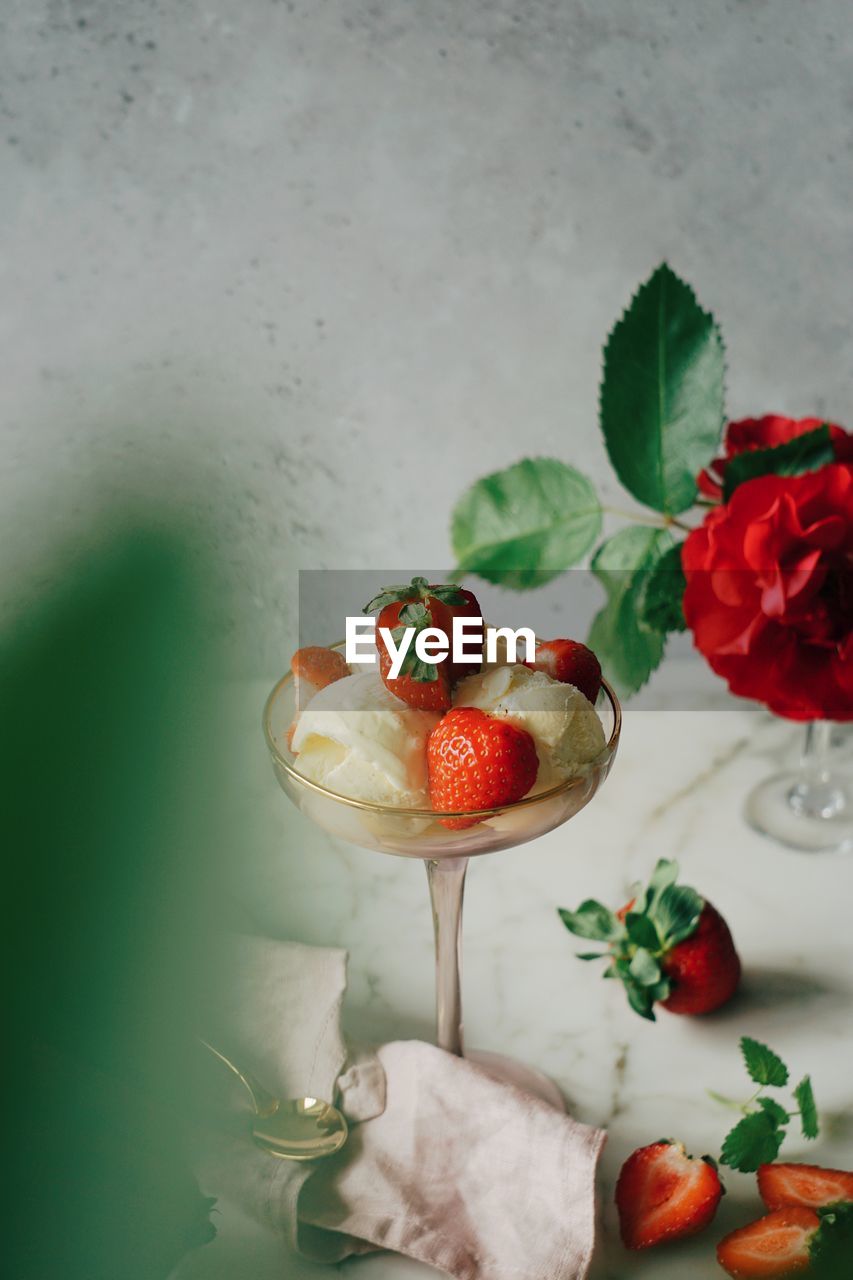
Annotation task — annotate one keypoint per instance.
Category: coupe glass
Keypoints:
(418, 833)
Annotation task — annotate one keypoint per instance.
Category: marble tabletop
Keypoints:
(676, 790)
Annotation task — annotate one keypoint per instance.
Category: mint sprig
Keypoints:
(661, 916)
(757, 1137)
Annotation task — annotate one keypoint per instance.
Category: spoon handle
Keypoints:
(263, 1101)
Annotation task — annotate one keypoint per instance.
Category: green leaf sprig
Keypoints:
(757, 1137)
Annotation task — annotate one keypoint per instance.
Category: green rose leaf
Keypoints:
(627, 649)
(662, 394)
(662, 603)
(808, 452)
(523, 526)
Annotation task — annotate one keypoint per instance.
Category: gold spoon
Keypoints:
(293, 1128)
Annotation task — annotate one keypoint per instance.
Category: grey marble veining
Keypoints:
(676, 790)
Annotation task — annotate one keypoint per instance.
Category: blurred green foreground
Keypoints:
(112, 782)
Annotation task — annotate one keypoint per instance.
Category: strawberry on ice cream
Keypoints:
(447, 735)
(564, 725)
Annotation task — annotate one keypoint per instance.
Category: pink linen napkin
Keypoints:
(443, 1163)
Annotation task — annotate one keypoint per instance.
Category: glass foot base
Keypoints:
(526, 1078)
(812, 818)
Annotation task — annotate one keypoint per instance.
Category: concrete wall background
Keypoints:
(322, 264)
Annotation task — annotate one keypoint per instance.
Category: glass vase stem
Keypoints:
(814, 794)
(446, 878)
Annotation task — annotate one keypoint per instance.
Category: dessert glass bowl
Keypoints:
(418, 833)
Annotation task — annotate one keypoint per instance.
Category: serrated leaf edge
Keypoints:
(662, 267)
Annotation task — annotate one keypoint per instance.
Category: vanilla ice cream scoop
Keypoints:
(563, 723)
(358, 739)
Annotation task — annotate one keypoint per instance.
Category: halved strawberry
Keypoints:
(421, 605)
(668, 946)
(805, 1185)
(570, 662)
(777, 1245)
(664, 1194)
(476, 761)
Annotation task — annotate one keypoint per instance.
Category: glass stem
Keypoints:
(816, 794)
(815, 760)
(446, 878)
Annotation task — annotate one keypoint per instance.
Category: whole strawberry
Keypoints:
(476, 761)
(668, 946)
(570, 662)
(419, 604)
(704, 970)
(664, 1194)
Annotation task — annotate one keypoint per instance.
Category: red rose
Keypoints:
(766, 433)
(769, 594)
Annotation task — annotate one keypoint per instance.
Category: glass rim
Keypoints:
(385, 810)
